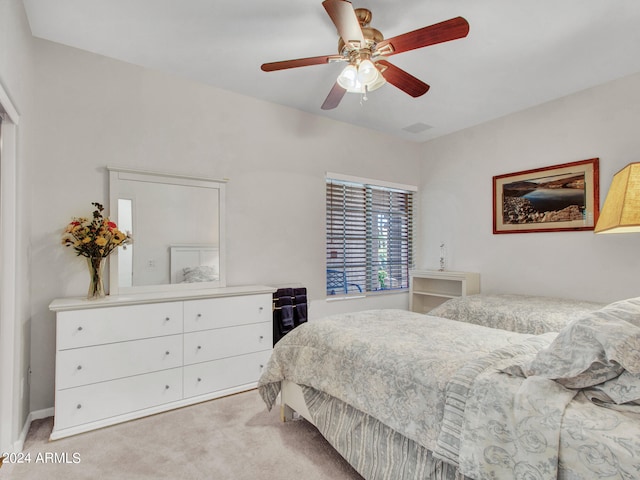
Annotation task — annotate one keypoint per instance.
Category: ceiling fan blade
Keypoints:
(334, 97)
(403, 80)
(423, 37)
(300, 62)
(344, 18)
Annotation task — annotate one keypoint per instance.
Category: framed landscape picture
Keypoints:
(550, 199)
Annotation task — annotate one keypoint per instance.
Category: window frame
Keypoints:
(360, 226)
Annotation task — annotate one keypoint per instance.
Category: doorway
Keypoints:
(9, 366)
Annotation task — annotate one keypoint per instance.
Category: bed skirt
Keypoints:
(376, 451)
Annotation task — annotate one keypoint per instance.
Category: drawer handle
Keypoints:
(199, 315)
(79, 329)
(166, 319)
(199, 347)
(261, 337)
(166, 387)
(79, 406)
(261, 308)
(199, 379)
(167, 352)
(79, 367)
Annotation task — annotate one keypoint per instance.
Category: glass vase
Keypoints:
(96, 284)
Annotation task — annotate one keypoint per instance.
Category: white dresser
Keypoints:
(129, 356)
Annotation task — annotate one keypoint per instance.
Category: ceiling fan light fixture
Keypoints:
(377, 83)
(367, 72)
(362, 78)
(348, 79)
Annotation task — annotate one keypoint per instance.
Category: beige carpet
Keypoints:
(231, 438)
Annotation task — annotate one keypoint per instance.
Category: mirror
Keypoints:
(177, 226)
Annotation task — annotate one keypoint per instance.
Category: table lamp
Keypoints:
(621, 210)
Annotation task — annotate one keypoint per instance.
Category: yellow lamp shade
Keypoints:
(621, 210)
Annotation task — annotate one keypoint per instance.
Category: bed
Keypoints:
(403, 395)
(517, 313)
(194, 263)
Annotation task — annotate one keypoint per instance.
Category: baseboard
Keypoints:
(18, 445)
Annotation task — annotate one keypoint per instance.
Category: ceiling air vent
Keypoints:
(417, 128)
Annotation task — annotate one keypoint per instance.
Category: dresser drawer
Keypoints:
(76, 406)
(209, 377)
(227, 342)
(226, 311)
(81, 328)
(81, 366)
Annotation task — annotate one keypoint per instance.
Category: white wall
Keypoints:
(93, 112)
(457, 196)
(16, 77)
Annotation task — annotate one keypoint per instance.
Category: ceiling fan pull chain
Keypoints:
(364, 97)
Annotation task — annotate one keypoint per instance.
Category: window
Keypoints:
(369, 236)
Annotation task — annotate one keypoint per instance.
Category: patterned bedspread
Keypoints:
(391, 364)
(503, 426)
(517, 313)
(465, 392)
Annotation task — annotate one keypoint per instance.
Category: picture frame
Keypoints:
(564, 197)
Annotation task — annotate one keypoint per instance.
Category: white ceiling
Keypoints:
(517, 54)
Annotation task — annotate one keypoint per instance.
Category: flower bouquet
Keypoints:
(95, 239)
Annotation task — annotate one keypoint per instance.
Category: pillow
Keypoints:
(593, 349)
(203, 273)
(628, 310)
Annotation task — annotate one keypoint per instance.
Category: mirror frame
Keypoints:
(116, 174)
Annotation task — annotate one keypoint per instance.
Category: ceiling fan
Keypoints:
(366, 51)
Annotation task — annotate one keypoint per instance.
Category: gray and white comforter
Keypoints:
(393, 365)
(517, 313)
(501, 426)
(470, 394)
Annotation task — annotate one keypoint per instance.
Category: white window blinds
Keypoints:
(369, 237)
